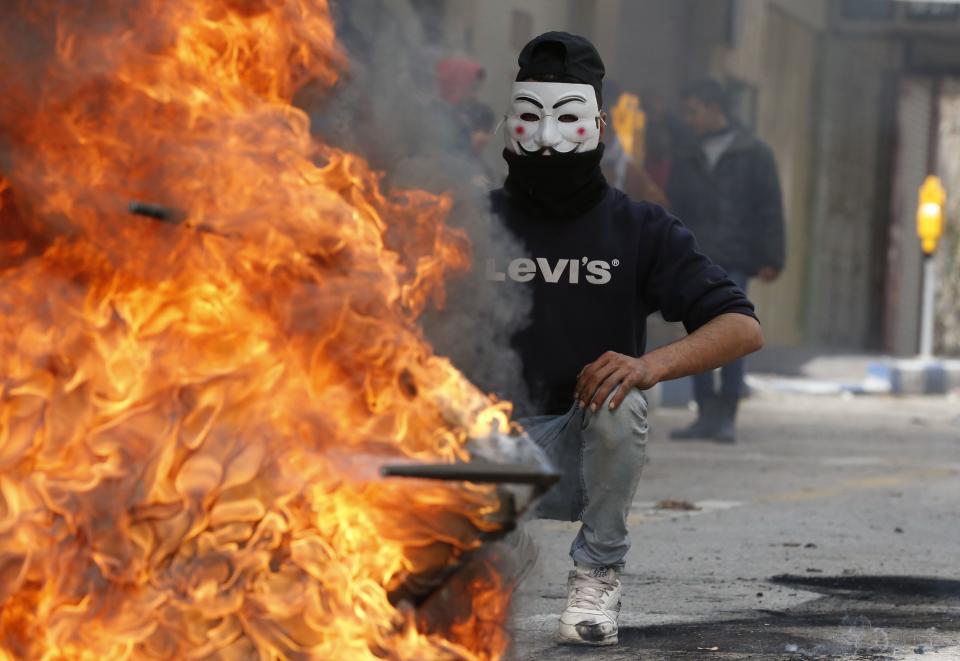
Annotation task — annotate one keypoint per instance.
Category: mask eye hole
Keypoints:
(568, 118)
(530, 117)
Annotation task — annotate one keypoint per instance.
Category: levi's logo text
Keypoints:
(572, 271)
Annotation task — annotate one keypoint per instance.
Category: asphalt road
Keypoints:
(830, 531)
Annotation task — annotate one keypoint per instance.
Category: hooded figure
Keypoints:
(598, 263)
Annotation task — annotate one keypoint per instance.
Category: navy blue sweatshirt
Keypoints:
(596, 278)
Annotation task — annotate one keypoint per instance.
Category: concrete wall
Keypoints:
(653, 53)
(812, 13)
(848, 235)
(948, 254)
(787, 123)
(904, 282)
(745, 58)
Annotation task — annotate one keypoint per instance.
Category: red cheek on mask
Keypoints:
(519, 130)
(581, 131)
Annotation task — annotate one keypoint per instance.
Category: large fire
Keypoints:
(193, 406)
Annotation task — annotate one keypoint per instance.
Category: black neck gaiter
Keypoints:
(562, 185)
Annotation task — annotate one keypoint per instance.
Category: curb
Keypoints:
(917, 376)
(907, 376)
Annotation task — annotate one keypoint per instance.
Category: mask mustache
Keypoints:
(547, 151)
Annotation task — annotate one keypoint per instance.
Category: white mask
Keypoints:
(552, 118)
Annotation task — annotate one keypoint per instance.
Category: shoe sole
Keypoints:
(571, 634)
(579, 642)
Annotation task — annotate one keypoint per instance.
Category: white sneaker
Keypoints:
(593, 607)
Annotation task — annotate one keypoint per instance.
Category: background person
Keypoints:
(459, 80)
(725, 188)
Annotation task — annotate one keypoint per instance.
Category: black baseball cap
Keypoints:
(564, 56)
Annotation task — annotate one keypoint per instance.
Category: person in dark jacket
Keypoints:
(459, 80)
(725, 188)
(597, 264)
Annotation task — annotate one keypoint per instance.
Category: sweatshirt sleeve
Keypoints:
(682, 282)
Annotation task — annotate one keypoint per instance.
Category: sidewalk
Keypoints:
(815, 371)
(810, 371)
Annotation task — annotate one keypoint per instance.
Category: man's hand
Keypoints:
(768, 273)
(598, 379)
(722, 339)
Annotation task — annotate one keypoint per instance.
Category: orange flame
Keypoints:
(191, 415)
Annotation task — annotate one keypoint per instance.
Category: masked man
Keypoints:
(598, 264)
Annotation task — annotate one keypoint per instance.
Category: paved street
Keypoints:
(831, 531)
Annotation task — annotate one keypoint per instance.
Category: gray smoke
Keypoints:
(387, 108)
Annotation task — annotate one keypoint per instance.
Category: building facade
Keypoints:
(847, 94)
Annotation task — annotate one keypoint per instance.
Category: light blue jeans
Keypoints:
(600, 456)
